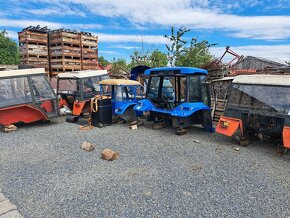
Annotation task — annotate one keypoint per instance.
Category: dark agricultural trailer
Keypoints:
(258, 105)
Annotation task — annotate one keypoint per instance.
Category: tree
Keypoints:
(155, 58)
(177, 47)
(120, 63)
(158, 59)
(195, 55)
(139, 58)
(104, 62)
(9, 53)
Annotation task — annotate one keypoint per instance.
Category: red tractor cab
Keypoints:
(76, 89)
(26, 96)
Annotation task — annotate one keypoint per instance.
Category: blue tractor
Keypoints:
(179, 95)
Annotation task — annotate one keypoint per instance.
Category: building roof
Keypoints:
(182, 70)
(265, 60)
(83, 74)
(24, 72)
(100, 66)
(109, 67)
(227, 78)
(119, 82)
(263, 79)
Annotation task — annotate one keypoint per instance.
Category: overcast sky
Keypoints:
(250, 27)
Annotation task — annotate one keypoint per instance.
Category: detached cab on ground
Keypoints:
(124, 95)
(179, 95)
(26, 96)
(76, 89)
(258, 105)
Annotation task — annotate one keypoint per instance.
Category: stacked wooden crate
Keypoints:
(89, 45)
(65, 51)
(33, 45)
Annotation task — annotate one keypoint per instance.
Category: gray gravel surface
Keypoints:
(158, 174)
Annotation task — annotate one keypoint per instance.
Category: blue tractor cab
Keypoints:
(124, 96)
(179, 95)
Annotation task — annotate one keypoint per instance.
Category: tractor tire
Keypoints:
(181, 131)
(72, 119)
(157, 126)
(244, 142)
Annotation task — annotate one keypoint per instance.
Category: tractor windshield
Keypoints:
(91, 85)
(272, 99)
(14, 91)
(168, 92)
(68, 86)
(123, 93)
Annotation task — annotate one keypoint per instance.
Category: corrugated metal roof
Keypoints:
(83, 74)
(263, 79)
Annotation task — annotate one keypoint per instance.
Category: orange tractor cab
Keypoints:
(258, 105)
(76, 89)
(26, 96)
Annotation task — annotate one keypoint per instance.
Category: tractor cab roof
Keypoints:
(82, 74)
(20, 73)
(176, 70)
(263, 79)
(119, 82)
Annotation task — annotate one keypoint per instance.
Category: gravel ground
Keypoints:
(158, 174)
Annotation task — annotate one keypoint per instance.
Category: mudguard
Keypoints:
(21, 113)
(121, 107)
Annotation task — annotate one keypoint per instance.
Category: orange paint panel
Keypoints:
(47, 106)
(78, 107)
(228, 126)
(63, 102)
(286, 137)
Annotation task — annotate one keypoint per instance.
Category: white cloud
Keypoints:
(194, 14)
(199, 14)
(279, 53)
(149, 39)
(59, 11)
(52, 25)
(126, 47)
(108, 52)
(12, 34)
(25, 23)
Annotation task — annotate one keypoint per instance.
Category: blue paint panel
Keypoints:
(183, 70)
(183, 110)
(121, 107)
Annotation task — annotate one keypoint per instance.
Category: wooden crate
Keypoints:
(60, 37)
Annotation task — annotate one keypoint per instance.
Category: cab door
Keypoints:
(44, 95)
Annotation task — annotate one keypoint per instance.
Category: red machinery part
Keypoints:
(286, 137)
(20, 113)
(228, 126)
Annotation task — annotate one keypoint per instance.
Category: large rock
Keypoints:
(108, 154)
(87, 146)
